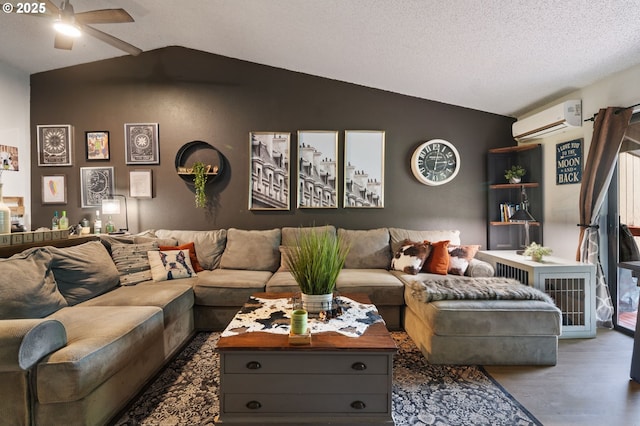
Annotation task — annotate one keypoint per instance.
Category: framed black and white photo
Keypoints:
(97, 145)
(54, 144)
(141, 143)
(317, 169)
(140, 184)
(364, 168)
(269, 165)
(96, 183)
(54, 189)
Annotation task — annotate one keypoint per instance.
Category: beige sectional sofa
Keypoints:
(88, 327)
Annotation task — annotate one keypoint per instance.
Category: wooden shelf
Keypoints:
(198, 151)
(514, 185)
(499, 223)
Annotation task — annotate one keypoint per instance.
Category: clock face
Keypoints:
(435, 162)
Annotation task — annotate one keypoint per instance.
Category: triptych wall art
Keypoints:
(318, 171)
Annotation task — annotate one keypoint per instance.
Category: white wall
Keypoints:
(14, 131)
(561, 212)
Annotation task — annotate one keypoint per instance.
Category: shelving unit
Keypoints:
(201, 151)
(502, 234)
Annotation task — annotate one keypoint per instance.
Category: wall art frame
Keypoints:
(54, 189)
(269, 165)
(317, 184)
(141, 143)
(141, 183)
(97, 145)
(364, 168)
(55, 144)
(9, 158)
(96, 183)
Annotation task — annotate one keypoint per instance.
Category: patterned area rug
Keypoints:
(186, 392)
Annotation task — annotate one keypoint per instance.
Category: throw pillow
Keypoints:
(170, 265)
(460, 257)
(27, 286)
(438, 260)
(368, 249)
(192, 254)
(83, 271)
(255, 250)
(132, 262)
(410, 257)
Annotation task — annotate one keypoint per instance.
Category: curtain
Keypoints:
(608, 132)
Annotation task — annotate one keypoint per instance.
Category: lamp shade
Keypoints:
(110, 206)
(521, 215)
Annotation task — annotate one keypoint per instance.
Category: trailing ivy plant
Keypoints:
(200, 182)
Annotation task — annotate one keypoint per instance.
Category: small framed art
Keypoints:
(141, 143)
(140, 183)
(269, 164)
(97, 145)
(96, 183)
(317, 169)
(54, 189)
(54, 144)
(364, 168)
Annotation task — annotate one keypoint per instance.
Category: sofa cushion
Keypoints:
(369, 249)
(132, 262)
(83, 271)
(438, 260)
(252, 250)
(460, 256)
(411, 256)
(192, 254)
(27, 286)
(382, 287)
(282, 281)
(480, 268)
(290, 234)
(398, 235)
(209, 244)
(228, 287)
(170, 264)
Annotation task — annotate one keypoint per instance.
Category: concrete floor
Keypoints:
(590, 385)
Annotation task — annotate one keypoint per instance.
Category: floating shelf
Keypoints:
(195, 151)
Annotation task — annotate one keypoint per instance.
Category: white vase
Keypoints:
(316, 303)
(5, 216)
(515, 180)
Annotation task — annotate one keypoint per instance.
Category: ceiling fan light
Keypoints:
(66, 28)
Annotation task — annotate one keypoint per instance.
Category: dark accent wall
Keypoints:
(195, 95)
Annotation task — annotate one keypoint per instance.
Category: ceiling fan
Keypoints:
(70, 25)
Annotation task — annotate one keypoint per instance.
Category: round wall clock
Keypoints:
(435, 162)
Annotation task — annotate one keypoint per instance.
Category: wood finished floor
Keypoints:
(590, 385)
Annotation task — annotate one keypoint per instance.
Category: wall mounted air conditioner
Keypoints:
(561, 116)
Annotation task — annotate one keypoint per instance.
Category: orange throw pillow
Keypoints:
(192, 254)
(438, 261)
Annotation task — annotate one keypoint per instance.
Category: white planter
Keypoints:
(316, 303)
(515, 180)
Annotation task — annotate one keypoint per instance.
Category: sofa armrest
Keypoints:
(480, 268)
(23, 342)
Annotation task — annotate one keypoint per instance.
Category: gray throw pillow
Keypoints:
(132, 262)
(83, 271)
(254, 250)
(27, 286)
(369, 249)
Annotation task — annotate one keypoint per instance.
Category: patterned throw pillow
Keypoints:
(410, 256)
(192, 254)
(460, 257)
(438, 261)
(132, 261)
(170, 265)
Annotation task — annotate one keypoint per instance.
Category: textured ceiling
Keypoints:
(500, 56)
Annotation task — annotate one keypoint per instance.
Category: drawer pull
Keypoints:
(253, 405)
(358, 405)
(359, 366)
(253, 365)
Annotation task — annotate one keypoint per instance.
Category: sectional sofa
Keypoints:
(84, 327)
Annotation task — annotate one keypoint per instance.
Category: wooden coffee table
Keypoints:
(334, 380)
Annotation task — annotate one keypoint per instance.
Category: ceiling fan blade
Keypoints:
(63, 42)
(104, 16)
(113, 41)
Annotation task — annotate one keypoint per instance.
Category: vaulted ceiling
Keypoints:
(500, 56)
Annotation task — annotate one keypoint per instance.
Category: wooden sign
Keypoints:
(569, 162)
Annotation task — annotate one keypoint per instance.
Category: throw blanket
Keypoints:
(459, 288)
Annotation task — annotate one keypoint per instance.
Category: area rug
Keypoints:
(186, 391)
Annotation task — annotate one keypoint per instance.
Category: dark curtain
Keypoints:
(608, 133)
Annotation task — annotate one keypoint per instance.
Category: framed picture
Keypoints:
(364, 168)
(141, 143)
(9, 158)
(317, 169)
(140, 183)
(54, 189)
(269, 165)
(54, 144)
(97, 145)
(96, 183)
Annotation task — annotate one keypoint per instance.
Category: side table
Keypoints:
(571, 284)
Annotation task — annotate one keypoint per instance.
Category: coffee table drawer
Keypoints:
(296, 383)
(318, 404)
(309, 363)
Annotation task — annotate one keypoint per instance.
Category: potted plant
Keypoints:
(200, 182)
(315, 263)
(536, 251)
(514, 174)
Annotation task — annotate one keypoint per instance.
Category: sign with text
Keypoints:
(569, 162)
